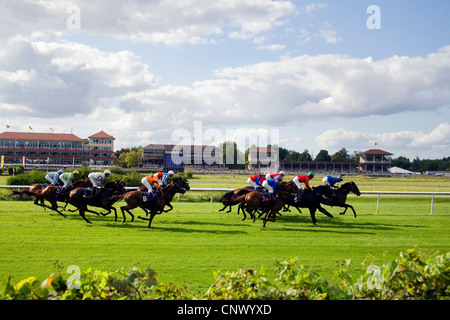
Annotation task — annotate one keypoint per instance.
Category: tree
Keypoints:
(402, 162)
(304, 156)
(133, 158)
(323, 156)
(341, 155)
(292, 155)
(234, 161)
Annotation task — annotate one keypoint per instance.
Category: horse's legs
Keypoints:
(82, 213)
(55, 207)
(170, 208)
(346, 206)
(325, 212)
(127, 209)
(312, 212)
(152, 215)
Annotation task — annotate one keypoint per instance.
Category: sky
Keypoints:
(311, 75)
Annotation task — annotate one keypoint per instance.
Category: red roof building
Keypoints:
(50, 150)
(375, 161)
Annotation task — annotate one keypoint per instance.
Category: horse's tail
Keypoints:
(227, 195)
(116, 197)
(22, 192)
(239, 199)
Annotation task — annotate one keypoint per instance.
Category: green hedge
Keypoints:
(416, 275)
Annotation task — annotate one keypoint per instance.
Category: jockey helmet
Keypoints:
(282, 173)
(170, 173)
(75, 172)
(310, 175)
(159, 174)
(340, 178)
(60, 171)
(107, 172)
(279, 177)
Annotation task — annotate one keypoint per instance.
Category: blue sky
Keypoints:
(312, 70)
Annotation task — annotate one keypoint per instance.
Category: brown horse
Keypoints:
(134, 199)
(54, 194)
(229, 198)
(105, 199)
(168, 197)
(252, 203)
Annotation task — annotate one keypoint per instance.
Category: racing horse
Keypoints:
(52, 194)
(168, 197)
(229, 198)
(339, 197)
(307, 199)
(253, 202)
(105, 198)
(155, 206)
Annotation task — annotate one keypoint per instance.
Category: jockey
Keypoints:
(97, 178)
(271, 185)
(152, 181)
(256, 180)
(331, 181)
(303, 178)
(53, 177)
(163, 181)
(68, 177)
(271, 175)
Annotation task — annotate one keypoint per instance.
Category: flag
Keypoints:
(3, 162)
(29, 127)
(51, 129)
(23, 161)
(376, 143)
(7, 127)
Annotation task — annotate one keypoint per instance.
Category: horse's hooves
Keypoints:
(341, 213)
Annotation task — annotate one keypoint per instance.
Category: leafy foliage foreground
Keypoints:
(415, 275)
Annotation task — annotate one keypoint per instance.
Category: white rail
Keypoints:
(378, 193)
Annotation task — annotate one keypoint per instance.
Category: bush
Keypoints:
(34, 176)
(16, 170)
(418, 275)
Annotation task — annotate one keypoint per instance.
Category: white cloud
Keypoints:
(170, 22)
(406, 143)
(66, 78)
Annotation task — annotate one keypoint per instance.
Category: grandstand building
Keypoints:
(375, 161)
(55, 150)
(179, 157)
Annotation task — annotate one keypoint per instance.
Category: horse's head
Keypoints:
(351, 186)
(182, 183)
(116, 186)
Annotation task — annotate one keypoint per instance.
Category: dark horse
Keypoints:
(105, 198)
(307, 199)
(155, 206)
(339, 197)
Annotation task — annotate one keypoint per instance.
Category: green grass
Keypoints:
(189, 243)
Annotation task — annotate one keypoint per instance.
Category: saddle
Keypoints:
(90, 193)
(149, 196)
(266, 197)
(295, 197)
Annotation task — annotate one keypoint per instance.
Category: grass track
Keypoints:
(189, 243)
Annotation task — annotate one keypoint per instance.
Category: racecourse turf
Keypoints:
(187, 244)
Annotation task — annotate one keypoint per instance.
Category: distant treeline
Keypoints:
(419, 165)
